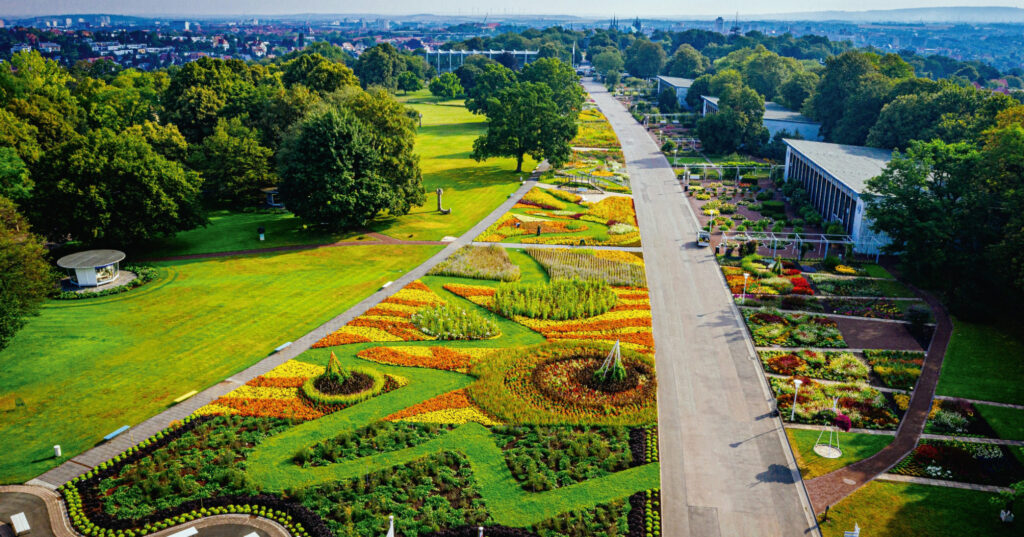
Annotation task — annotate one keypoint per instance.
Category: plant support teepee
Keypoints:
(611, 369)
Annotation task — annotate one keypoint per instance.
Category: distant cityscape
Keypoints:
(150, 43)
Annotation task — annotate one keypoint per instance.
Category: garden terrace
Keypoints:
(867, 407)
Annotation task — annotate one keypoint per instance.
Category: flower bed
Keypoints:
(454, 322)
(985, 464)
(866, 287)
(628, 322)
(614, 208)
(557, 300)
(773, 328)
(566, 264)
(867, 407)
(561, 218)
(897, 369)
(387, 321)
(448, 408)
(544, 458)
(446, 358)
(539, 385)
(479, 262)
(842, 366)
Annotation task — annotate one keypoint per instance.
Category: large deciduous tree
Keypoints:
(445, 87)
(113, 188)
(524, 119)
(644, 59)
(25, 277)
(234, 164)
(608, 61)
(318, 73)
(380, 66)
(560, 77)
(335, 169)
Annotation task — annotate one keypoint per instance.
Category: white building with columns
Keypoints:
(835, 176)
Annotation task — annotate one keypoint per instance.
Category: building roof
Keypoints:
(777, 112)
(676, 82)
(851, 165)
(90, 259)
(710, 99)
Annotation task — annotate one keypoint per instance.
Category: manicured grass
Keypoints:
(877, 271)
(85, 368)
(983, 361)
(471, 189)
(1007, 422)
(887, 509)
(855, 446)
(232, 231)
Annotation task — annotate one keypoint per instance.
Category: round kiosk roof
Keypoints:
(90, 259)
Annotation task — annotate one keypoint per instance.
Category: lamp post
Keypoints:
(745, 276)
(796, 391)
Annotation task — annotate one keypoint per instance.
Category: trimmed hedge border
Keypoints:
(297, 519)
(143, 275)
(320, 398)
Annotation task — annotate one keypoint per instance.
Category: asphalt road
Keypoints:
(726, 468)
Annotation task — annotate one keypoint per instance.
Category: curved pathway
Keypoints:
(830, 488)
(84, 462)
(49, 507)
(726, 466)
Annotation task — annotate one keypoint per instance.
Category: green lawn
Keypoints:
(983, 361)
(855, 446)
(1007, 422)
(887, 509)
(471, 189)
(85, 368)
(232, 231)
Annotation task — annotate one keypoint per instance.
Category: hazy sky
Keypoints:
(625, 9)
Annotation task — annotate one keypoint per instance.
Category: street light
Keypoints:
(745, 276)
(796, 391)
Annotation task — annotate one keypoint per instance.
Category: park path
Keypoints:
(83, 462)
(828, 489)
(726, 466)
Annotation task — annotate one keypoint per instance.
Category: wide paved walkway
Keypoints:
(726, 467)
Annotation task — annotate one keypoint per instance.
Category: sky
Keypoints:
(624, 9)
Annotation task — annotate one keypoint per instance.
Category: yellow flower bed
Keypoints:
(294, 368)
(455, 416)
(263, 392)
(620, 256)
(845, 269)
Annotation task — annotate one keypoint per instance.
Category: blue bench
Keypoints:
(111, 436)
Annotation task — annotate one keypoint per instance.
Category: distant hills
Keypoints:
(992, 14)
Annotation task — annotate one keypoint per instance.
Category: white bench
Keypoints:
(20, 523)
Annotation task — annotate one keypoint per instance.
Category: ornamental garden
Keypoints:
(483, 394)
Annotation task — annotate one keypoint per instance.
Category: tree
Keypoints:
(234, 164)
(644, 59)
(445, 87)
(687, 62)
(608, 61)
(794, 92)
(492, 78)
(840, 81)
(700, 86)
(862, 109)
(318, 74)
(667, 101)
(380, 66)
(524, 119)
(332, 174)
(25, 276)
(740, 126)
(113, 188)
(15, 184)
(408, 81)
(560, 77)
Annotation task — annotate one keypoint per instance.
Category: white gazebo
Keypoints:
(92, 268)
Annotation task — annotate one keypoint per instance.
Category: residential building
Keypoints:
(680, 85)
(834, 176)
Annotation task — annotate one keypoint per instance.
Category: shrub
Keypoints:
(830, 262)
(558, 300)
(450, 322)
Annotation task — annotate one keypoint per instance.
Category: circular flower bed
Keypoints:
(354, 385)
(554, 383)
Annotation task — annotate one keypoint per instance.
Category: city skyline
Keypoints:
(595, 8)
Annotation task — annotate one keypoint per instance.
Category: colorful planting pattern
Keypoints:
(387, 321)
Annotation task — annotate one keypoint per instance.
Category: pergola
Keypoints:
(778, 241)
(92, 267)
(718, 168)
(462, 54)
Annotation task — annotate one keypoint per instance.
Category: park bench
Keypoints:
(185, 396)
(20, 523)
(114, 434)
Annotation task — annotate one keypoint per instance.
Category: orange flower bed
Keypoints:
(631, 307)
(467, 291)
(296, 408)
(401, 329)
(445, 401)
(338, 338)
(388, 320)
(277, 382)
(440, 358)
(645, 339)
(612, 324)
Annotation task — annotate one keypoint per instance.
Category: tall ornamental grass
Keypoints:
(558, 300)
(566, 264)
(479, 262)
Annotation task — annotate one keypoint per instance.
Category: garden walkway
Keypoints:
(83, 462)
(47, 518)
(726, 466)
(830, 488)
